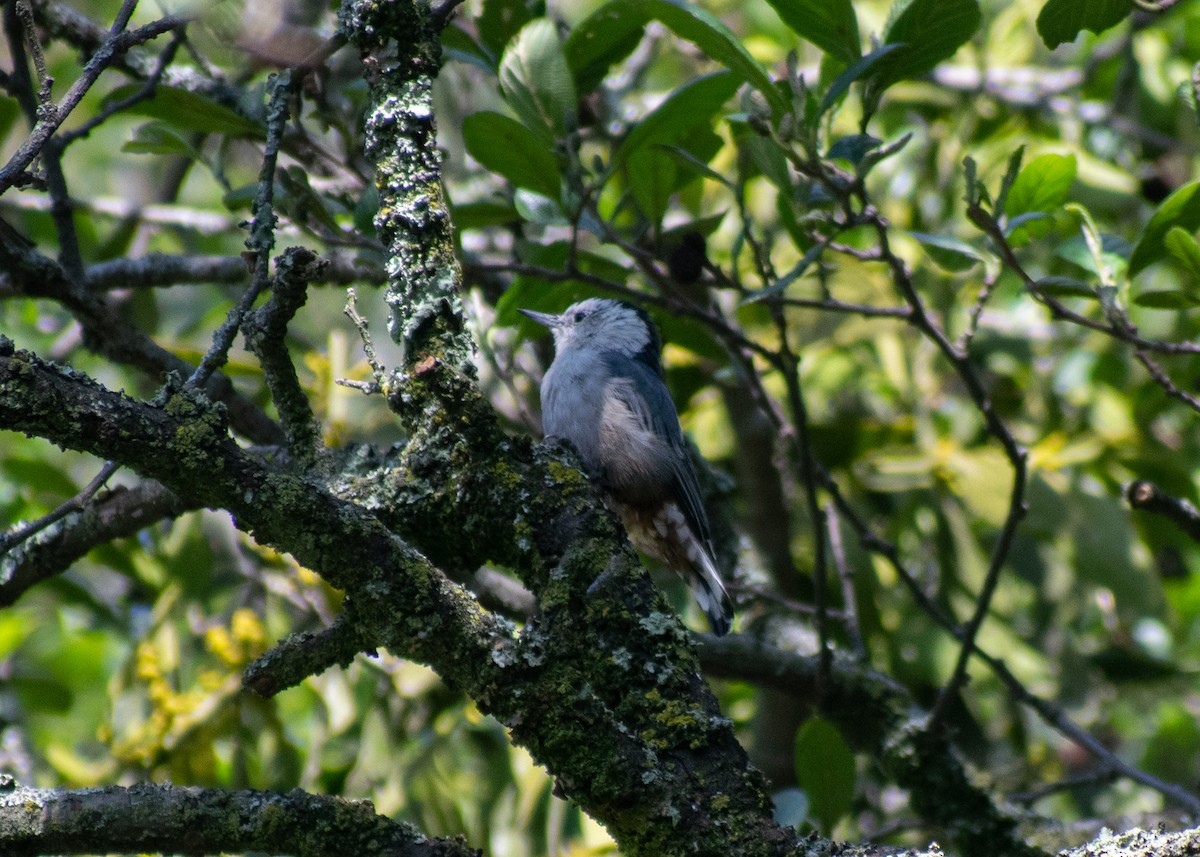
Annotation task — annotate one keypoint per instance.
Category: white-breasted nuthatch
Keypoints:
(605, 394)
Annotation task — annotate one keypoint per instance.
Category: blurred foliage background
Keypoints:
(127, 666)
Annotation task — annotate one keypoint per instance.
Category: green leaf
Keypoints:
(1182, 209)
(189, 111)
(949, 253)
(536, 81)
(1166, 299)
(853, 148)
(1114, 249)
(10, 111)
(1010, 177)
(508, 148)
(781, 285)
(499, 21)
(877, 155)
(859, 69)
(1026, 227)
(457, 44)
(689, 161)
(770, 160)
(537, 208)
(1095, 244)
(1174, 748)
(14, 630)
(829, 24)
(42, 478)
(653, 177)
(687, 108)
(1042, 185)
(1062, 20)
(301, 202)
(1064, 287)
(159, 138)
(825, 770)
(600, 41)
(480, 215)
(701, 28)
(929, 31)
(1182, 246)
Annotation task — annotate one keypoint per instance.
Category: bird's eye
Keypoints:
(580, 315)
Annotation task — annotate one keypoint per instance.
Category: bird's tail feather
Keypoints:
(708, 589)
(666, 535)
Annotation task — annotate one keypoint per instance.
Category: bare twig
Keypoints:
(114, 514)
(51, 116)
(846, 576)
(1163, 380)
(143, 93)
(262, 232)
(364, 333)
(1148, 497)
(75, 504)
(265, 331)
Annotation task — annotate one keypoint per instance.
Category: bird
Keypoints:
(604, 393)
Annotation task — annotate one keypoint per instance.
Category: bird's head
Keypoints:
(603, 324)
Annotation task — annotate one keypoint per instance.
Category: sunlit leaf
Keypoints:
(1183, 248)
(831, 25)
(930, 31)
(1182, 208)
(536, 81)
(1042, 185)
(688, 107)
(508, 148)
(701, 28)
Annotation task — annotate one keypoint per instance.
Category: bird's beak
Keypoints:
(544, 318)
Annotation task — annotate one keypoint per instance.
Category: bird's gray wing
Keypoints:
(650, 402)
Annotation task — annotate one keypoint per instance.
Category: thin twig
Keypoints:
(846, 576)
(51, 116)
(262, 232)
(1148, 497)
(45, 81)
(364, 333)
(1163, 380)
(75, 504)
(144, 92)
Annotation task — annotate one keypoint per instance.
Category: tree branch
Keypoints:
(194, 821)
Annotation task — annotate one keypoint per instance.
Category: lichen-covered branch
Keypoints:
(185, 445)
(424, 278)
(177, 820)
(112, 335)
(265, 329)
(603, 687)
